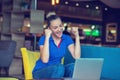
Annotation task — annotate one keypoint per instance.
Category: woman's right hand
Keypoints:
(48, 33)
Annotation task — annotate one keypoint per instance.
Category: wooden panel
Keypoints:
(19, 38)
(6, 5)
(36, 21)
(72, 12)
(6, 23)
(17, 4)
(5, 37)
(16, 21)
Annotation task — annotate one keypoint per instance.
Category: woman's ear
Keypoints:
(48, 28)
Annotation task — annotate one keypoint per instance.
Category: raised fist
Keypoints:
(74, 31)
(48, 32)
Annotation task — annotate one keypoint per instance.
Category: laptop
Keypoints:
(88, 69)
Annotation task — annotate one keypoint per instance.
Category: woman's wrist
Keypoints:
(47, 38)
(77, 37)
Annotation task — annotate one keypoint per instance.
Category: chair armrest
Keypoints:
(3, 52)
(5, 59)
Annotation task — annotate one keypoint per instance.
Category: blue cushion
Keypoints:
(111, 57)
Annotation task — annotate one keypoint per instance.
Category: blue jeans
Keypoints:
(55, 71)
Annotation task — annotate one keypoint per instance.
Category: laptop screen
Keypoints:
(88, 68)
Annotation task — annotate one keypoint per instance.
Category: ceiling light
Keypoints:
(106, 9)
(66, 2)
(93, 27)
(87, 6)
(57, 1)
(77, 4)
(54, 2)
(68, 29)
(96, 7)
(65, 24)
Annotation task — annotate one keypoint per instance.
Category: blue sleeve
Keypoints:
(41, 41)
(69, 41)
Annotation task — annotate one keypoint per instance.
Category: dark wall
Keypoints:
(111, 16)
(83, 21)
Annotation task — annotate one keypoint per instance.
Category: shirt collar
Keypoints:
(63, 37)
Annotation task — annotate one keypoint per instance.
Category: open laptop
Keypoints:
(88, 68)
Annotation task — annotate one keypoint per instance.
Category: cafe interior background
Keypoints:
(24, 21)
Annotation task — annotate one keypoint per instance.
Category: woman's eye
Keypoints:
(55, 27)
(61, 25)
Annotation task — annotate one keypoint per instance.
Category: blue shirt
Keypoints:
(56, 52)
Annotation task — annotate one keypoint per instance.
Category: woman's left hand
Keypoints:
(74, 31)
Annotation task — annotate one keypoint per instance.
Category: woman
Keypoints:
(53, 46)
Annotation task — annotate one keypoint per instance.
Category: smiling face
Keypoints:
(56, 28)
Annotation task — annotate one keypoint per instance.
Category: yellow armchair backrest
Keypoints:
(29, 59)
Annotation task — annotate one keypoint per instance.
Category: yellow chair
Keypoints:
(29, 59)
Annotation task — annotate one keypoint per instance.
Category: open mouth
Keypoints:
(59, 33)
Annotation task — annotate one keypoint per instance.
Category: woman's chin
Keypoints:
(59, 35)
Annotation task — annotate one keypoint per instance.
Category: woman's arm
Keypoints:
(75, 48)
(44, 49)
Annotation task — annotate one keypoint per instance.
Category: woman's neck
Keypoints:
(56, 38)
